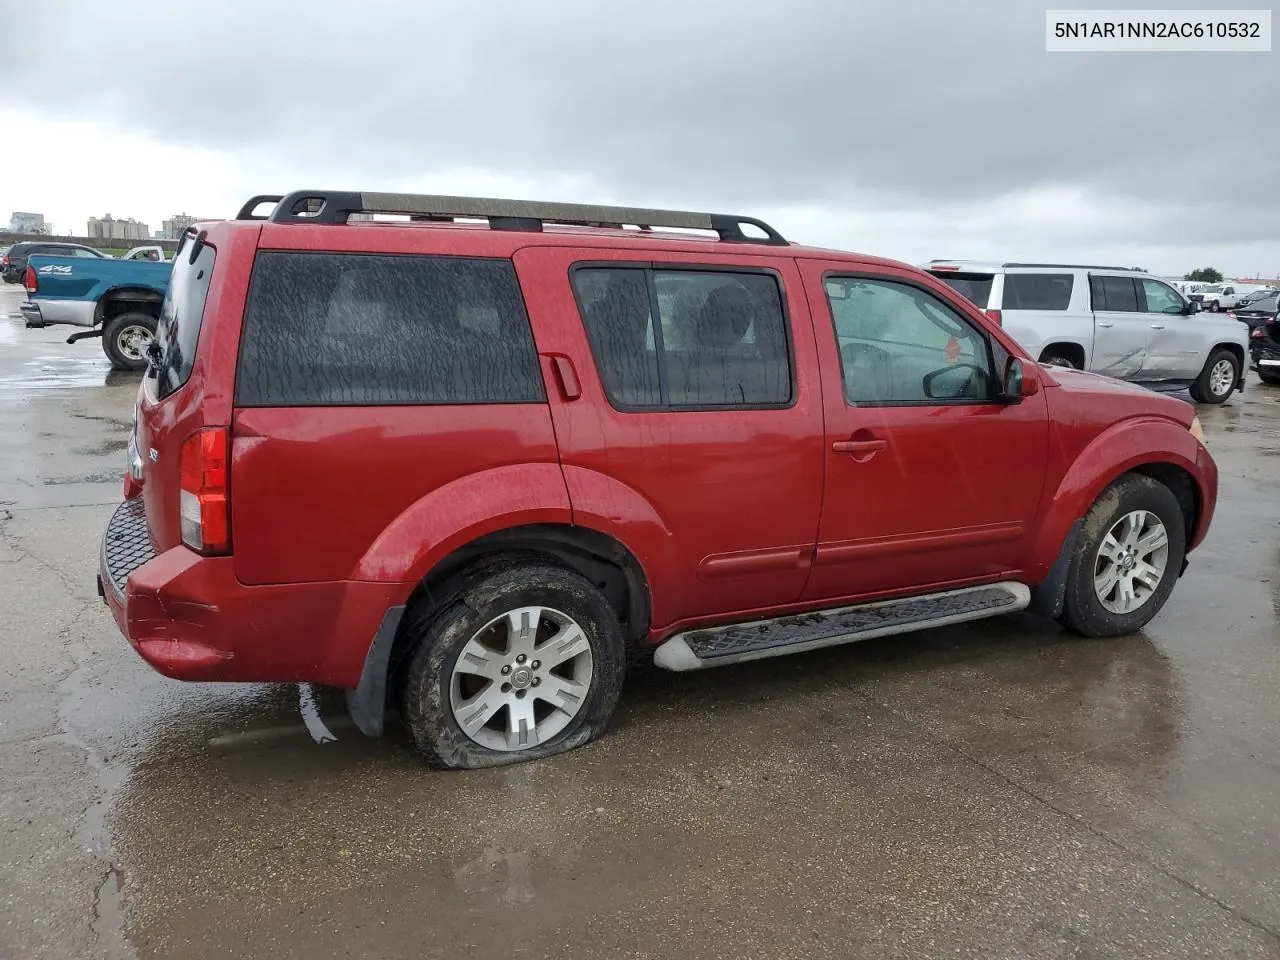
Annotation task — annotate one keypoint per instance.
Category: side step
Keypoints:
(735, 643)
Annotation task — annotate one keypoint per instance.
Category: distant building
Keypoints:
(109, 228)
(29, 223)
(176, 225)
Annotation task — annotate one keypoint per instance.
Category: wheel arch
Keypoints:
(1161, 449)
(1068, 348)
(126, 299)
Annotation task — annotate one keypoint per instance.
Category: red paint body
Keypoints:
(338, 513)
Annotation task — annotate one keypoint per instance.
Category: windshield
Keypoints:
(1214, 288)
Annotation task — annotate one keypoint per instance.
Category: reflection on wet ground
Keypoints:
(993, 790)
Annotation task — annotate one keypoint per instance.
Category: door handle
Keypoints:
(1157, 326)
(1105, 323)
(867, 447)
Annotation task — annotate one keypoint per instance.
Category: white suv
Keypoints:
(1109, 320)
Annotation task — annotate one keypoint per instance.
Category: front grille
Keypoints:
(127, 543)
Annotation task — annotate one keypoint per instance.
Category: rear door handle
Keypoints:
(1105, 323)
(858, 446)
(1157, 326)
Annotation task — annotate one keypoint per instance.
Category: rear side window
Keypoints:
(1037, 291)
(178, 329)
(974, 287)
(365, 330)
(720, 340)
(1118, 294)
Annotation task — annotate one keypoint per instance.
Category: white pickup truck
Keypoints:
(1216, 297)
(1122, 323)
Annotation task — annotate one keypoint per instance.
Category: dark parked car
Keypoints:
(1257, 312)
(1264, 349)
(13, 263)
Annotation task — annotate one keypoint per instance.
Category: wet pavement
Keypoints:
(995, 790)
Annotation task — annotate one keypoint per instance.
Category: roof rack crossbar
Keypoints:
(328, 206)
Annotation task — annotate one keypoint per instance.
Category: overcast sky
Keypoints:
(912, 129)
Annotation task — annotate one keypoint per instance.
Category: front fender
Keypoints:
(453, 515)
(1116, 451)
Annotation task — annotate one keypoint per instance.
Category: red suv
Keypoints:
(475, 459)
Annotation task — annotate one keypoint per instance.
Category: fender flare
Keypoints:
(1122, 448)
(451, 516)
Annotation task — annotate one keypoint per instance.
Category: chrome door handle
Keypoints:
(1157, 326)
(1105, 323)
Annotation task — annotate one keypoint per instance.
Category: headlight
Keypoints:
(1197, 431)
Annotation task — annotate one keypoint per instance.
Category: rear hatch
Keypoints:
(170, 408)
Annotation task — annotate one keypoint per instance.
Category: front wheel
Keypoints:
(1218, 379)
(1213, 306)
(1127, 559)
(527, 661)
(125, 340)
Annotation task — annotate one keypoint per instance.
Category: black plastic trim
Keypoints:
(1049, 596)
(367, 703)
(252, 204)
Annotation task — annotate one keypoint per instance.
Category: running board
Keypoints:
(738, 642)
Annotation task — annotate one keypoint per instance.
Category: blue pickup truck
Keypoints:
(117, 300)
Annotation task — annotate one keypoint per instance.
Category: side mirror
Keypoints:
(1192, 306)
(1020, 381)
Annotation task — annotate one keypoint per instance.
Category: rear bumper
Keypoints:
(31, 314)
(190, 618)
(75, 313)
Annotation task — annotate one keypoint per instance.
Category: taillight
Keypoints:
(4, 261)
(203, 503)
(29, 280)
(1258, 333)
(994, 317)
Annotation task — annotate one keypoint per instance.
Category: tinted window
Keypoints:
(1114, 293)
(901, 344)
(974, 287)
(1037, 291)
(357, 329)
(720, 339)
(1161, 298)
(178, 329)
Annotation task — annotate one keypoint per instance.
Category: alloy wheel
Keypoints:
(1131, 562)
(521, 679)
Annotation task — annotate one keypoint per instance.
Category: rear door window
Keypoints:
(181, 314)
(974, 287)
(1037, 291)
(327, 329)
(1116, 294)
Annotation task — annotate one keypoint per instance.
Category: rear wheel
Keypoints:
(1218, 379)
(1127, 559)
(526, 662)
(125, 340)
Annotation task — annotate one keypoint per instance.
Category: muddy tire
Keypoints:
(1218, 379)
(1127, 559)
(525, 661)
(125, 339)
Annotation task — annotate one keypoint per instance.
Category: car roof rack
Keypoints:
(331, 206)
(1074, 266)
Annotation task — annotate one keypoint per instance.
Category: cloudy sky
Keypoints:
(912, 129)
